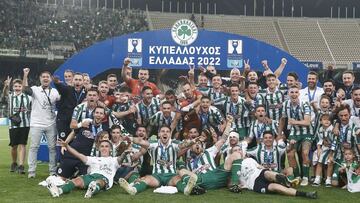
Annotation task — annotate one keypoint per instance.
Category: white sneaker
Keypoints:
(304, 182)
(190, 185)
(328, 183)
(54, 190)
(125, 185)
(91, 189)
(316, 183)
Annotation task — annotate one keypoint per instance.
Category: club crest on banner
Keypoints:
(235, 53)
(184, 32)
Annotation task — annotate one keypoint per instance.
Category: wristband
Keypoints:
(79, 125)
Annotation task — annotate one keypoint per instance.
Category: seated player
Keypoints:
(202, 163)
(269, 153)
(101, 172)
(164, 153)
(258, 179)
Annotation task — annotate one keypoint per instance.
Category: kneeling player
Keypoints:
(101, 172)
(254, 177)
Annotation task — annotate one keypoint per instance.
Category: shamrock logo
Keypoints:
(183, 31)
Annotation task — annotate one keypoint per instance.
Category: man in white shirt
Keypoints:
(101, 171)
(42, 119)
(311, 93)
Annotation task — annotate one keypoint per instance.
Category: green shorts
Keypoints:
(163, 178)
(336, 174)
(94, 177)
(214, 179)
(300, 139)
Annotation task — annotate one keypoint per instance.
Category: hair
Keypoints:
(234, 85)
(268, 132)
(253, 83)
(329, 80)
(69, 71)
(294, 75)
(260, 106)
(294, 86)
(85, 75)
(17, 81)
(140, 126)
(112, 75)
(325, 97)
(217, 75)
(325, 116)
(45, 72)
(354, 89)
(205, 97)
(271, 75)
(103, 82)
(99, 107)
(164, 126)
(113, 127)
(166, 102)
(143, 69)
(93, 90)
(349, 72)
(313, 73)
(350, 150)
(341, 108)
(145, 88)
(123, 89)
(170, 92)
(99, 137)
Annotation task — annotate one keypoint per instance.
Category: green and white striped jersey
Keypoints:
(325, 137)
(256, 101)
(237, 109)
(203, 90)
(164, 157)
(270, 159)
(347, 137)
(146, 111)
(211, 118)
(215, 95)
(158, 119)
(316, 122)
(204, 162)
(81, 112)
(258, 128)
(297, 113)
(14, 102)
(273, 103)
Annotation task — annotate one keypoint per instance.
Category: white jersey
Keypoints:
(353, 179)
(105, 166)
(43, 106)
(248, 173)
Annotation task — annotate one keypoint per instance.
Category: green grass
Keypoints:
(17, 188)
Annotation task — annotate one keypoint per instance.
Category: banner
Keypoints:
(313, 65)
(177, 47)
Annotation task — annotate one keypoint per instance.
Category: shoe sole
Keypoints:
(190, 185)
(53, 191)
(125, 185)
(90, 190)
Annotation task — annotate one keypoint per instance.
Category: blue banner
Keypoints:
(178, 47)
(313, 65)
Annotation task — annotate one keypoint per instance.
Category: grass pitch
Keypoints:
(18, 188)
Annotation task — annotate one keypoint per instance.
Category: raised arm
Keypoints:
(73, 151)
(6, 88)
(280, 69)
(225, 135)
(25, 84)
(126, 71)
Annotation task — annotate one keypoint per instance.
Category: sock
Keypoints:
(97, 188)
(300, 193)
(133, 177)
(317, 178)
(236, 165)
(66, 188)
(291, 177)
(180, 185)
(306, 170)
(296, 172)
(140, 186)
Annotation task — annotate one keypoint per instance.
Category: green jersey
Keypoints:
(164, 157)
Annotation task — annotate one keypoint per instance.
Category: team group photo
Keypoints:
(174, 101)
